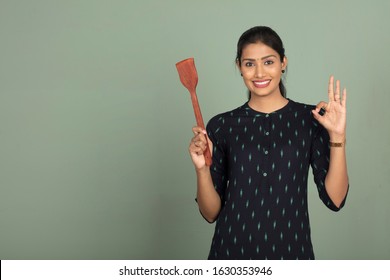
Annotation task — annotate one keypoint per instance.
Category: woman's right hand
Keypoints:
(198, 146)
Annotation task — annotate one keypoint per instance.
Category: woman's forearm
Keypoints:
(336, 181)
(208, 199)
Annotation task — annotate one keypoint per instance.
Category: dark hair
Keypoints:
(266, 36)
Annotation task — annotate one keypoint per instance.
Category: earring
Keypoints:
(241, 74)
(283, 71)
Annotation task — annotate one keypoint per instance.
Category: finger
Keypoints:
(200, 144)
(196, 143)
(330, 89)
(316, 114)
(196, 150)
(321, 108)
(320, 105)
(200, 141)
(344, 99)
(198, 130)
(337, 93)
(200, 138)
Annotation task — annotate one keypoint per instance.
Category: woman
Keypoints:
(256, 188)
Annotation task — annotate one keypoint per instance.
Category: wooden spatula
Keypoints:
(189, 78)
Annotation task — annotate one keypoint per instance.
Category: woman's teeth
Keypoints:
(262, 83)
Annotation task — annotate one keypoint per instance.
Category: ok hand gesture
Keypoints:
(334, 118)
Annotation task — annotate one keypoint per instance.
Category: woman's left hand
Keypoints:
(335, 117)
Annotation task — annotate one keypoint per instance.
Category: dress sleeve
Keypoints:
(218, 169)
(320, 153)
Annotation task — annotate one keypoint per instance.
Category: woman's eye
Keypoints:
(268, 62)
(249, 64)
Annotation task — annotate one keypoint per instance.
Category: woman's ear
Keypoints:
(284, 63)
(238, 66)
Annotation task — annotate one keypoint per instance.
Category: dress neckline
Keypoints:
(259, 113)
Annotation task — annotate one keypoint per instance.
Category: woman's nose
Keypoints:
(259, 71)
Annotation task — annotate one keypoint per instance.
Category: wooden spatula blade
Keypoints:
(187, 73)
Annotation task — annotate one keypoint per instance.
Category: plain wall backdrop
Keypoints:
(95, 124)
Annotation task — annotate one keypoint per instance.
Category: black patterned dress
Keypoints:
(260, 170)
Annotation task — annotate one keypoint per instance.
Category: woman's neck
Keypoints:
(265, 104)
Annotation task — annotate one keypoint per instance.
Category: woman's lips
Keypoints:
(261, 84)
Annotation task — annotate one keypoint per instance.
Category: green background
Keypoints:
(95, 124)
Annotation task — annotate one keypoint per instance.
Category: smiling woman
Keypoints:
(270, 39)
(256, 188)
(261, 68)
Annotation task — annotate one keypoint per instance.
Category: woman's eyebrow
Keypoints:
(253, 59)
(268, 56)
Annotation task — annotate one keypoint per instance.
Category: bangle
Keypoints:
(337, 144)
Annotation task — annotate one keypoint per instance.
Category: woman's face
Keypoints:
(261, 69)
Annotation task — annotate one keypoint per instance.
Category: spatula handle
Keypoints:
(199, 121)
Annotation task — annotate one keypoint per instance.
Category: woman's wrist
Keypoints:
(337, 144)
(337, 138)
(202, 170)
